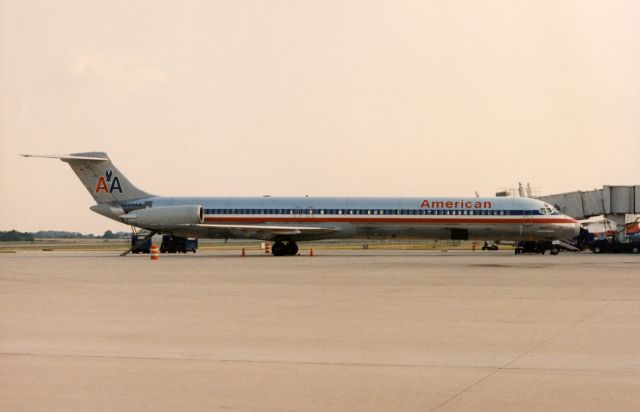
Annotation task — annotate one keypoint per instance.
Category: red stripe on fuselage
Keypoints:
(462, 219)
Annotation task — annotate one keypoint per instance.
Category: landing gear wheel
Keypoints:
(291, 249)
(278, 249)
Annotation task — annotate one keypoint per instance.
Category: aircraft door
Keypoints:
(527, 223)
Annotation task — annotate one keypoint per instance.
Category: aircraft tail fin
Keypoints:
(101, 177)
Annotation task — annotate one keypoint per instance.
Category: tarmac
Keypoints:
(340, 331)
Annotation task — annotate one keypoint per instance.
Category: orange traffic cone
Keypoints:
(243, 253)
(155, 252)
(311, 252)
(267, 248)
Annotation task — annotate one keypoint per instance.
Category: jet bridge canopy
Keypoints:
(610, 200)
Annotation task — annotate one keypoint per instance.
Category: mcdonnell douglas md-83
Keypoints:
(286, 220)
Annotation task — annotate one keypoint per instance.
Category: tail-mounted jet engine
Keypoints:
(163, 216)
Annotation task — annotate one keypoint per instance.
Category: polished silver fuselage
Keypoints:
(372, 218)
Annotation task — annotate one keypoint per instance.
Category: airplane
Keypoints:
(288, 220)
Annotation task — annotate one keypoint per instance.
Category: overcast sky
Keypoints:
(382, 98)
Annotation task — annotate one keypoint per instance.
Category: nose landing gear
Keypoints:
(281, 249)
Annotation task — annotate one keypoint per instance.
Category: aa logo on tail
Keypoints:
(108, 183)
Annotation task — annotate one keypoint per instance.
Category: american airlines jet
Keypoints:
(286, 220)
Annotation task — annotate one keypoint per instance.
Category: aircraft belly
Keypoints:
(438, 231)
(381, 230)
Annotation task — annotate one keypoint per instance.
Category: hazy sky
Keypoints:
(402, 98)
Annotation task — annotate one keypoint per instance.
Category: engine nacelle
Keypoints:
(165, 216)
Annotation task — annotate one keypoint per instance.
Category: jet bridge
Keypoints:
(614, 202)
(610, 200)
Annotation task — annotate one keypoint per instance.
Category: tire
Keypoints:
(278, 249)
(597, 249)
(555, 251)
(635, 250)
(291, 249)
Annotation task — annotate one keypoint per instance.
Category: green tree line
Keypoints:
(15, 236)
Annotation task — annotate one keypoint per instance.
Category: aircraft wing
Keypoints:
(275, 229)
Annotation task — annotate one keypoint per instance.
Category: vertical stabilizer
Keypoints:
(101, 177)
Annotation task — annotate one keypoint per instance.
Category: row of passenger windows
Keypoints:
(365, 212)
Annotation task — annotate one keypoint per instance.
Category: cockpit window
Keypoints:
(551, 210)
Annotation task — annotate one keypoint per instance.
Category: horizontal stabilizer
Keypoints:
(67, 157)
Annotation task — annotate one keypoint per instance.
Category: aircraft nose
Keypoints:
(572, 228)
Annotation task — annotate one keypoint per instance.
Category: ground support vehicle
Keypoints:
(176, 244)
(540, 246)
(139, 245)
(612, 246)
(488, 245)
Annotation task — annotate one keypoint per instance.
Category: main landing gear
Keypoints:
(281, 249)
